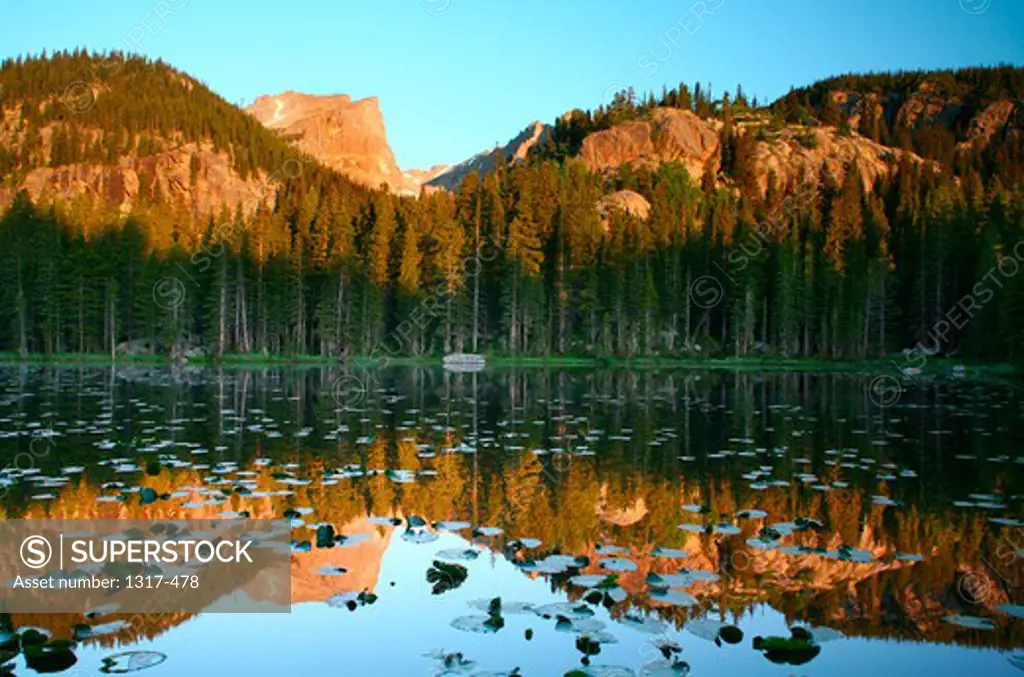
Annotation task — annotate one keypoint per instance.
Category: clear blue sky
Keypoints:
(456, 76)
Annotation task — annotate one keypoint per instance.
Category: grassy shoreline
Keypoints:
(730, 363)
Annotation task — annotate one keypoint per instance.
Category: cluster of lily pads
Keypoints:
(46, 654)
(160, 440)
(578, 618)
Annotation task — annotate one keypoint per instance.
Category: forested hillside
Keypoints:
(519, 261)
(137, 105)
(971, 120)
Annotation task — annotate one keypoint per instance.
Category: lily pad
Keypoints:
(787, 650)
(350, 600)
(488, 606)
(446, 576)
(452, 526)
(670, 553)
(1015, 610)
(332, 571)
(579, 625)
(647, 625)
(478, 624)
(453, 663)
(673, 597)
(818, 634)
(665, 668)
(419, 536)
(555, 564)
(730, 634)
(618, 564)
(109, 628)
(709, 629)
(488, 532)
(601, 671)
(610, 549)
(458, 554)
(527, 543)
(564, 609)
(53, 656)
(131, 661)
(972, 622)
(586, 580)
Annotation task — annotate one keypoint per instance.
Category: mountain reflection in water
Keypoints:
(689, 500)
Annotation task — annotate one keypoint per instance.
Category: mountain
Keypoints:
(515, 150)
(419, 177)
(118, 132)
(343, 134)
(349, 137)
(123, 177)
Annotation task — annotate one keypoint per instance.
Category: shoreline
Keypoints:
(805, 364)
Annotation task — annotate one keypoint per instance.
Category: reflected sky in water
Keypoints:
(889, 532)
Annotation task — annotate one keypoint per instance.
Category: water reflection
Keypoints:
(624, 518)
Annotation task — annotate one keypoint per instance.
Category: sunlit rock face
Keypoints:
(346, 135)
(622, 202)
(793, 155)
(668, 135)
(195, 176)
(361, 562)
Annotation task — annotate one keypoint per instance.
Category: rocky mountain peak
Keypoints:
(515, 150)
(344, 134)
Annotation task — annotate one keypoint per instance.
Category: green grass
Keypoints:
(11, 357)
(809, 364)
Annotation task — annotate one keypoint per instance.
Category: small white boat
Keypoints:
(464, 362)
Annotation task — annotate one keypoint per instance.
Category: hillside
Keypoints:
(966, 120)
(149, 215)
(963, 117)
(117, 132)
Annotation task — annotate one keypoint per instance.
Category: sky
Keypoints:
(455, 77)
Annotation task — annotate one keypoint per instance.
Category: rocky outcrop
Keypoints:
(973, 105)
(928, 105)
(668, 135)
(803, 153)
(343, 134)
(515, 150)
(626, 201)
(984, 125)
(855, 104)
(793, 154)
(193, 175)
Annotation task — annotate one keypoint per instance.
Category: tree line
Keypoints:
(516, 262)
(520, 263)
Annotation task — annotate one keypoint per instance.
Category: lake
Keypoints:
(539, 521)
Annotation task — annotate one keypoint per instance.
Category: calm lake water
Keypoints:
(628, 521)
